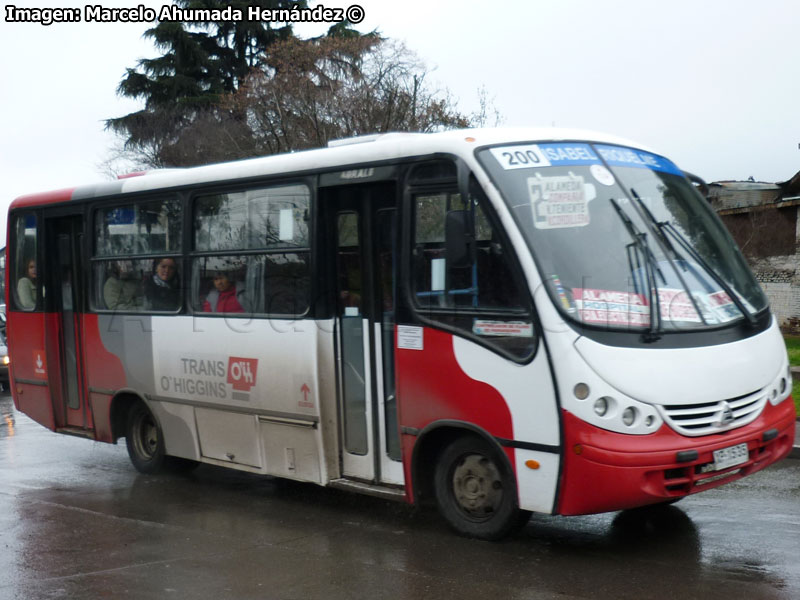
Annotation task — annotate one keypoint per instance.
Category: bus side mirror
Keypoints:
(459, 240)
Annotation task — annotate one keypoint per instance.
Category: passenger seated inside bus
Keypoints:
(123, 287)
(26, 286)
(227, 296)
(162, 290)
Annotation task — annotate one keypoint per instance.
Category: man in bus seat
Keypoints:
(227, 295)
(122, 290)
(162, 290)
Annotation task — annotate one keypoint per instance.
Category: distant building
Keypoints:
(763, 219)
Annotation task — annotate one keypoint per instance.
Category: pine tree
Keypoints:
(227, 90)
(200, 64)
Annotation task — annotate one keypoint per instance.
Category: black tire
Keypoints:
(144, 440)
(475, 490)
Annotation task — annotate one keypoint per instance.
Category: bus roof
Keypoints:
(340, 154)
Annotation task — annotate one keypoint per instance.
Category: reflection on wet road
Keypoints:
(76, 521)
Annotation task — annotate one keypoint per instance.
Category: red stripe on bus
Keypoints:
(44, 198)
(103, 370)
(432, 386)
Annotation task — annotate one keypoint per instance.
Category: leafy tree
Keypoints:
(233, 93)
(307, 92)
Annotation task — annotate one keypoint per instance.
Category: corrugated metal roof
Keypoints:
(737, 195)
(745, 185)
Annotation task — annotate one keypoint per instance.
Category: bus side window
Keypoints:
(24, 276)
(497, 286)
(485, 282)
(483, 296)
(264, 235)
(145, 227)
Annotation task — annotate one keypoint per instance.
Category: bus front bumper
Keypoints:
(606, 471)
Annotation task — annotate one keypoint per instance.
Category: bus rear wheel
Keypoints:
(144, 440)
(475, 490)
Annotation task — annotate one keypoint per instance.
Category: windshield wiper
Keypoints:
(655, 227)
(665, 227)
(679, 237)
(650, 269)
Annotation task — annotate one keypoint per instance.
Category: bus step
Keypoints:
(76, 431)
(379, 491)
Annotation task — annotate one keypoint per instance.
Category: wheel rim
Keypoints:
(477, 487)
(146, 439)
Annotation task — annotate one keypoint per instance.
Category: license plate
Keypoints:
(730, 457)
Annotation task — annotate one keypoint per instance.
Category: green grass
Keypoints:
(793, 348)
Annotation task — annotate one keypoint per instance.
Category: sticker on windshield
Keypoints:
(520, 157)
(502, 328)
(724, 307)
(608, 307)
(561, 293)
(602, 175)
(625, 308)
(676, 306)
(558, 201)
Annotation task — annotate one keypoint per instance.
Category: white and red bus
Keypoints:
(503, 320)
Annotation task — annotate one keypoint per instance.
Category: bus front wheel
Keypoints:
(144, 440)
(475, 490)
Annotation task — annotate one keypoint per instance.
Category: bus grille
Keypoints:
(714, 417)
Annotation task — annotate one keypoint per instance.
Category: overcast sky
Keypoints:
(712, 84)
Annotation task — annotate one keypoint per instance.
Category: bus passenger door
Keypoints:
(361, 221)
(64, 260)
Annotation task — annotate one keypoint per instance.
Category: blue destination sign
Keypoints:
(617, 156)
(565, 154)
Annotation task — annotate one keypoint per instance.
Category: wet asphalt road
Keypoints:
(76, 521)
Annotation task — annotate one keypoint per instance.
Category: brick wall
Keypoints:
(764, 219)
(780, 279)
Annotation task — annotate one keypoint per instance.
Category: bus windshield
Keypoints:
(622, 239)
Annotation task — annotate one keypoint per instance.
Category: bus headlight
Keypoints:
(594, 401)
(781, 387)
(581, 391)
(601, 406)
(6, 360)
